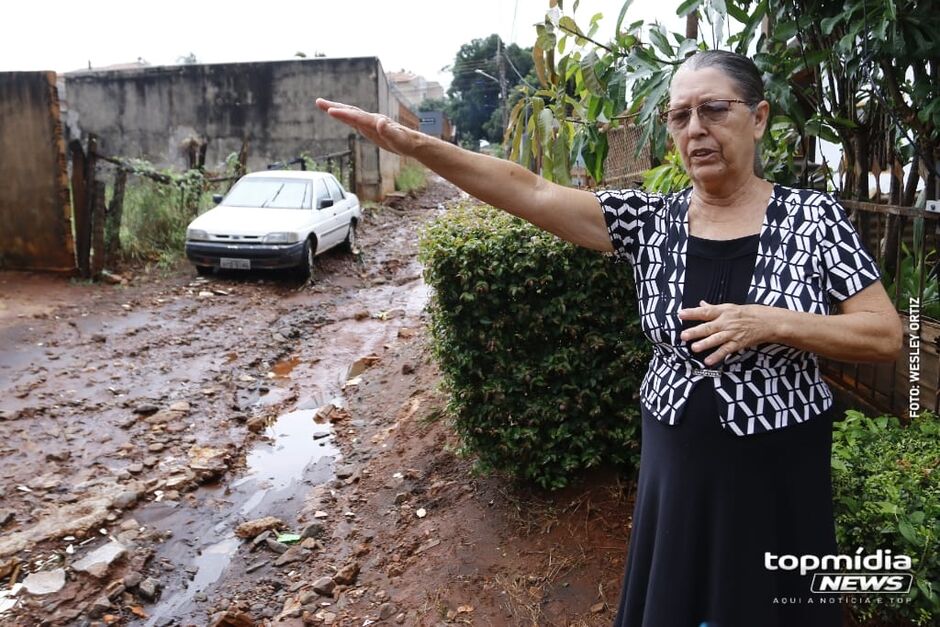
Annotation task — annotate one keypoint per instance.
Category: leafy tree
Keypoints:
(860, 73)
(434, 104)
(475, 97)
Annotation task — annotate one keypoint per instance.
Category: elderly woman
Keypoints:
(736, 281)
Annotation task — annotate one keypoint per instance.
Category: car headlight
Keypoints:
(196, 234)
(281, 238)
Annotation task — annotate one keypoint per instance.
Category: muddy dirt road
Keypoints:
(246, 450)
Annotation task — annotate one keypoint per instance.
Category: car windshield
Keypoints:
(270, 193)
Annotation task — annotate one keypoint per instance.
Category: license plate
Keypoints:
(235, 264)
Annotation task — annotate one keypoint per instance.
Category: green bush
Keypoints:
(411, 178)
(886, 486)
(539, 345)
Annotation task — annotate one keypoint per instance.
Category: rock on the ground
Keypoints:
(256, 424)
(347, 575)
(231, 619)
(45, 582)
(256, 565)
(98, 561)
(132, 579)
(386, 610)
(324, 586)
(252, 528)
(327, 618)
(360, 365)
(291, 555)
(274, 545)
(292, 609)
(99, 606)
(148, 589)
(260, 539)
(207, 462)
(313, 530)
(126, 499)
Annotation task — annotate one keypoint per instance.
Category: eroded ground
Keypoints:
(141, 425)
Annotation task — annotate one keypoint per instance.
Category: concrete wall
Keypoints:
(153, 113)
(35, 226)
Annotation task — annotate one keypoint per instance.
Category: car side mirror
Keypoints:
(324, 203)
(217, 198)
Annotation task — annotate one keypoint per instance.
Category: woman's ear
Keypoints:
(761, 115)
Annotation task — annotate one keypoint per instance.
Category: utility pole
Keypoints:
(501, 66)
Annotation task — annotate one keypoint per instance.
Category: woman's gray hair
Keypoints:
(743, 73)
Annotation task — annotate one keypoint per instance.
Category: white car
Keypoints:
(274, 219)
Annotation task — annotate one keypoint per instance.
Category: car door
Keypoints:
(342, 205)
(324, 216)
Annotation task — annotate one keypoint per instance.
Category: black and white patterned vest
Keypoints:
(809, 256)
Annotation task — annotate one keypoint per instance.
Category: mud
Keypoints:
(165, 412)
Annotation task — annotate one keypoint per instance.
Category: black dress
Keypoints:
(709, 503)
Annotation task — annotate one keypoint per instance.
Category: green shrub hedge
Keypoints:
(539, 346)
(886, 486)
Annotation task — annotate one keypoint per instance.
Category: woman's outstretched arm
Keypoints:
(571, 214)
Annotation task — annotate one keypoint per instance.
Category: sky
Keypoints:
(422, 36)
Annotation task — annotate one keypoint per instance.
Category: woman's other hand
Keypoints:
(380, 129)
(728, 326)
(867, 328)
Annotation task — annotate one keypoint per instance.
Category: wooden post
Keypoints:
(97, 228)
(80, 209)
(242, 167)
(243, 159)
(91, 160)
(691, 25)
(353, 141)
(115, 213)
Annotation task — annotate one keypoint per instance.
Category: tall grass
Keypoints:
(153, 225)
(411, 178)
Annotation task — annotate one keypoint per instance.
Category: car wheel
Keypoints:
(351, 243)
(204, 270)
(305, 269)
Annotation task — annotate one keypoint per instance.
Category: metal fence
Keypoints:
(904, 241)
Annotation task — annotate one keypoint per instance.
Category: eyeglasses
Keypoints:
(709, 112)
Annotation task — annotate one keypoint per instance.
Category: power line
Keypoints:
(513, 66)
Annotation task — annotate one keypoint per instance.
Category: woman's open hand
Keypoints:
(379, 129)
(728, 326)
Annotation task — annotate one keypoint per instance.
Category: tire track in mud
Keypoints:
(182, 407)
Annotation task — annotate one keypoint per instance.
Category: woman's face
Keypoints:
(715, 151)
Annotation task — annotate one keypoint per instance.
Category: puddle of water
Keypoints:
(276, 465)
(275, 468)
(270, 396)
(298, 452)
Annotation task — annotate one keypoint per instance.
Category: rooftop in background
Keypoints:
(415, 88)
